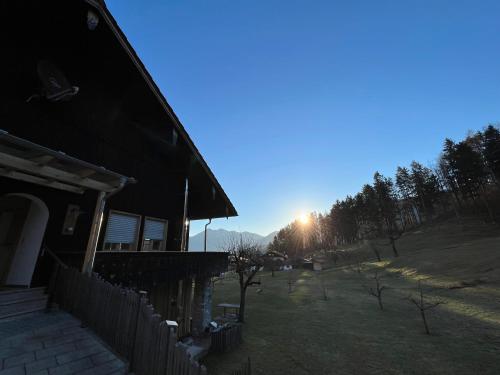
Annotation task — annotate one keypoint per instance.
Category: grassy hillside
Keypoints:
(302, 333)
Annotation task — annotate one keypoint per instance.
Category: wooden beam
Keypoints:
(5, 172)
(42, 160)
(86, 172)
(12, 151)
(45, 171)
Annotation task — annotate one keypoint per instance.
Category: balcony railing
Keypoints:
(143, 269)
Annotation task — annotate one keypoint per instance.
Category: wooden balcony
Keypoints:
(148, 268)
(144, 269)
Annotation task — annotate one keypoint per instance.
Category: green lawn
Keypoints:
(301, 333)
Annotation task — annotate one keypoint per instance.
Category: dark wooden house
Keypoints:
(95, 167)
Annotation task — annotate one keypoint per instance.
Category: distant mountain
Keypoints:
(217, 239)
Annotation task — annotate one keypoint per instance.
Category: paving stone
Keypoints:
(55, 350)
(42, 364)
(30, 346)
(10, 352)
(20, 339)
(28, 322)
(18, 360)
(79, 353)
(49, 330)
(71, 330)
(42, 372)
(106, 368)
(72, 367)
(99, 359)
(56, 329)
(54, 344)
(19, 370)
(63, 339)
(86, 342)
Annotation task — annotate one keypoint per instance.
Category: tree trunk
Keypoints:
(241, 316)
(379, 297)
(393, 244)
(487, 204)
(377, 254)
(422, 312)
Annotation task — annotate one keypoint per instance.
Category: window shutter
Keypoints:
(121, 228)
(154, 229)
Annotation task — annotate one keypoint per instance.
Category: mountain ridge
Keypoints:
(217, 239)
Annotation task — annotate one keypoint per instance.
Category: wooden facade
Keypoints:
(117, 118)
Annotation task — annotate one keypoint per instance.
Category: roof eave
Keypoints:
(111, 22)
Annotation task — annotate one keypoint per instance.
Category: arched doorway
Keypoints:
(23, 219)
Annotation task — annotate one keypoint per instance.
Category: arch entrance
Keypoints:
(23, 220)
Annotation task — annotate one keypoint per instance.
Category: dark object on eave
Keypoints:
(56, 87)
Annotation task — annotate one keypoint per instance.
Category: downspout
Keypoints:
(95, 230)
(205, 244)
(185, 231)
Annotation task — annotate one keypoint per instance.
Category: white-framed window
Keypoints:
(122, 231)
(155, 234)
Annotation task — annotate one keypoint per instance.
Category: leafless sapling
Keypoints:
(290, 282)
(377, 290)
(359, 266)
(323, 289)
(423, 306)
(394, 234)
(375, 251)
(217, 279)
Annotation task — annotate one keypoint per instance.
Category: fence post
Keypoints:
(142, 298)
(51, 290)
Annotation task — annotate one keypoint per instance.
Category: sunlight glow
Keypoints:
(303, 219)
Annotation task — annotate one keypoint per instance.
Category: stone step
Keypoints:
(12, 295)
(22, 301)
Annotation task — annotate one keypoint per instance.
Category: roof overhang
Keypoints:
(101, 7)
(26, 161)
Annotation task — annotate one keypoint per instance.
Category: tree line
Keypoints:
(464, 181)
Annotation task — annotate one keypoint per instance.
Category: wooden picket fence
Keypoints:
(126, 321)
(245, 369)
(227, 338)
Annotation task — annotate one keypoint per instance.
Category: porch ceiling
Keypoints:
(27, 161)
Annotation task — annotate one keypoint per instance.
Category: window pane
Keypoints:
(154, 229)
(121, 228)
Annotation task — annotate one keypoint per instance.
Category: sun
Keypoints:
(303, 218)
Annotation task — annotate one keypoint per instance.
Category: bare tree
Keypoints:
(393, 236)
(247, 259)
(273, 260)
(377, 291)
(290, 282)
(358, 263)
(218, 279)
(423, 305)
(322, 286)
(375, 250)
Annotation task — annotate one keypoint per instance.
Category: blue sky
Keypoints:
(297, 103)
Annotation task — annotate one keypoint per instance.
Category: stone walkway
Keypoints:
(53, 344)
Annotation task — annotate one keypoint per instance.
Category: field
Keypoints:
(302, 333)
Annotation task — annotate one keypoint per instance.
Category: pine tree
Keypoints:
(425, 188)
(387, 208)
(406, 189)
(491, 151)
